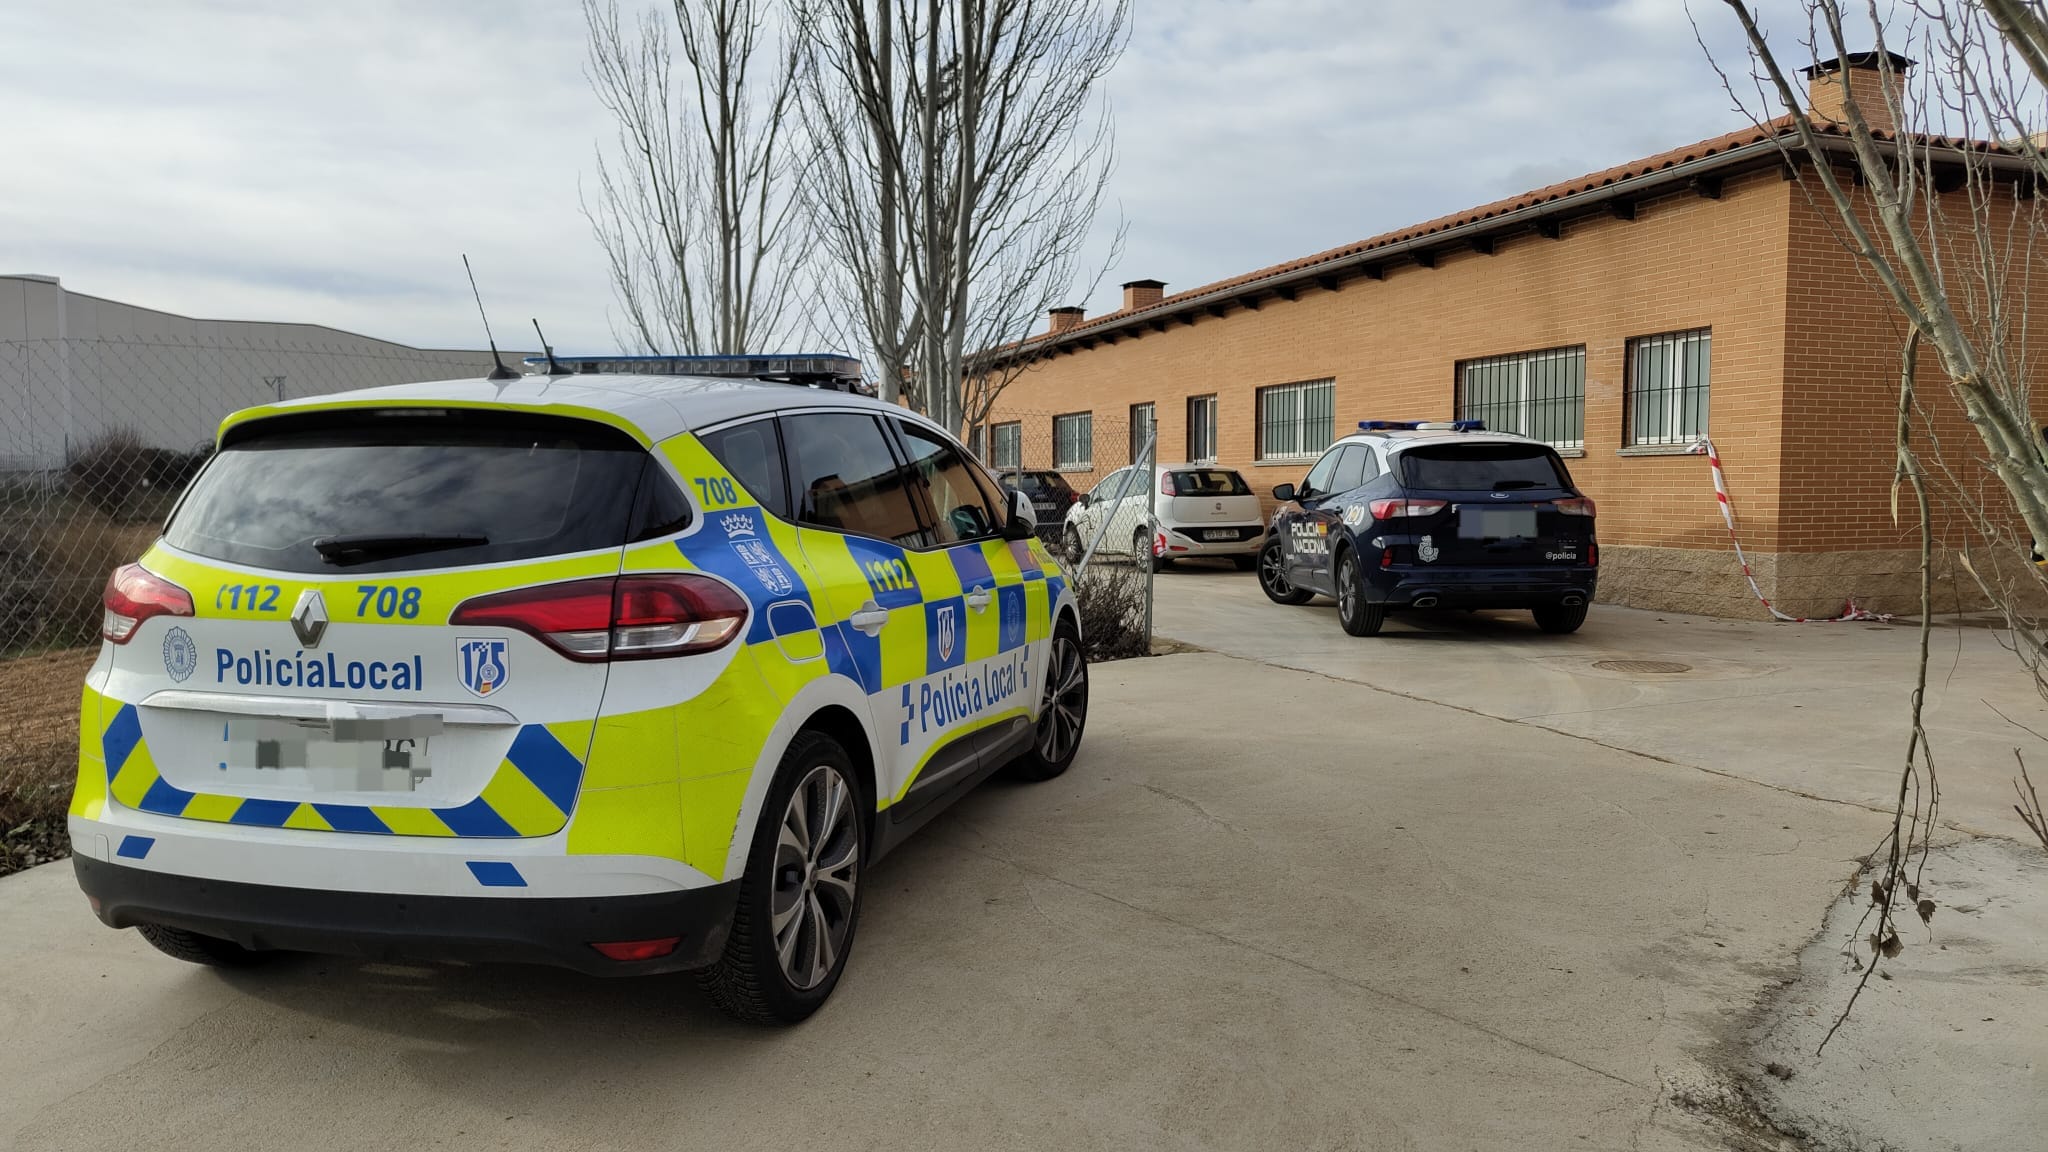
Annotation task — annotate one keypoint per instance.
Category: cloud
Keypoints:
(329, 163)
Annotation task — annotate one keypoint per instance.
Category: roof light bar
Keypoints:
(1422, 425)
(827, 369)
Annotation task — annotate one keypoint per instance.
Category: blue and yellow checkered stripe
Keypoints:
(531, 793)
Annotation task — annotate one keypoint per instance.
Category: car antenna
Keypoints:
(500, 372)
(554, 369)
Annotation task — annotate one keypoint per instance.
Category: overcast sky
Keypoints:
(328, 162)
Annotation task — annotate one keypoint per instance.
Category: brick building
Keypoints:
(1619, 316)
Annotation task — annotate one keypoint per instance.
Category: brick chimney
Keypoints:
(1143, 294)
(1062, 319)
(1866, 81)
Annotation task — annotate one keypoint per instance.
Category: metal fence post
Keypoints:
(1151, 530)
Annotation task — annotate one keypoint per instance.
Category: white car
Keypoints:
(624, 669)
(1202, 510)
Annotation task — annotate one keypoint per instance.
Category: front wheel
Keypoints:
(1062, 709)
(1073, 545)
(800, 898)
(1141, 551)
(1273, 576)
(1359, 616)
(1559, 619)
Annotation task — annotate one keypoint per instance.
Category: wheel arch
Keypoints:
(840, 723)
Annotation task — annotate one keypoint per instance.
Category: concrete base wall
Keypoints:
(1814, 584)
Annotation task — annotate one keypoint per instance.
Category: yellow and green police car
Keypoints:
(632, 666)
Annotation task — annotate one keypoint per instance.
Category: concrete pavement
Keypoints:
(1820, 708)
(1265, 909)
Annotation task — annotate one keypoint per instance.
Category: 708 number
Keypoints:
(389, 600)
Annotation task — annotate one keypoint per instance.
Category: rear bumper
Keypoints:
(1187, 541)
(1482, 587)
(555, 931)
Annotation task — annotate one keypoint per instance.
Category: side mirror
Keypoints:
(1023, 521)
(1284, 493)
(1083, 499)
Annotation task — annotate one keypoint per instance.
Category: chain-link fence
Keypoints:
(1055, 459)
(98, 437)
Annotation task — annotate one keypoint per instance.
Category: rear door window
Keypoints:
(1350, 468)
(1481, 468)
(844, 477)
(1210, 482)
(327, 492)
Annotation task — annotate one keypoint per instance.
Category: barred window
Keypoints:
(1666, 399)
(1202, 429)
(1009, 447)
(1541, 395)
(1142, 427)
(1073, 442)
(1296, 421)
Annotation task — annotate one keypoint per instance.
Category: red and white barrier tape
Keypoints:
(1705, 447)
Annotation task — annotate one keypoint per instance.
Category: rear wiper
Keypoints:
(362, 548)
(1504, 485)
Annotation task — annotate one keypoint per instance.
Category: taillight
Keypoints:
(135, 594)
(1386, 557)
(1389, 509)
(1166, 484)
(1575, 506)
(634, 617)
(1159, 544)
(1592, 555)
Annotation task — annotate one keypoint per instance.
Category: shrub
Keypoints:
(122, 477)
(1111, 598)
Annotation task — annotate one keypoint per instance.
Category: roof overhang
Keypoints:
(1700, 176)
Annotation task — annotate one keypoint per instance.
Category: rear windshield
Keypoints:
(1049, 482)
(1481, 468)
(396, 493)
(1209, 482)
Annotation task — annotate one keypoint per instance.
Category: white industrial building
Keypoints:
(75, 367)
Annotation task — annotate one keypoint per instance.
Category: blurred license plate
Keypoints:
(344, 756)
(1496, 523)
(1220, 534)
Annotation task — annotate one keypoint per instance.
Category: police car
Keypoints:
(1419, 514)
(630, 667)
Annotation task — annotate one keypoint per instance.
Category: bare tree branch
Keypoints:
(694, 208)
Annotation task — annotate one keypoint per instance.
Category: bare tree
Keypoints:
(958, 153)
(1936, 189)
(694, 207)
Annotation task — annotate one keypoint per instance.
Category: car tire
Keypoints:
(1074, 545)
(1141, 551)
(1559, 619)
(1359, 616)
(1272, 569)
(1063, 714)
(1245, 563)
(804, 867)
(198, 948)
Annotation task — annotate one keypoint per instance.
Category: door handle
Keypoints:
(869, 618)
(979, 598)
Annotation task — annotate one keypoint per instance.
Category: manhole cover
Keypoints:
(1642, 666)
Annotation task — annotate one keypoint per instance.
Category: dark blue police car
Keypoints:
(1418, 514)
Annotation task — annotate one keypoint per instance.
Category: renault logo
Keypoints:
(309, 618)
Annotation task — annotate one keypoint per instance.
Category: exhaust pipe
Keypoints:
(1574, 601)
(1424, 602)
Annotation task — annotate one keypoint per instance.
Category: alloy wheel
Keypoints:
(1271, 573)
(1066, 701)
(817, 869)
(1347, 587)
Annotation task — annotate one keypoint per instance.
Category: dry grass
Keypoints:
(38, 754)
(58, 568)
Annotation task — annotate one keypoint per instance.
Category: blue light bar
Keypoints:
(800, 367)
(1422, 425)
